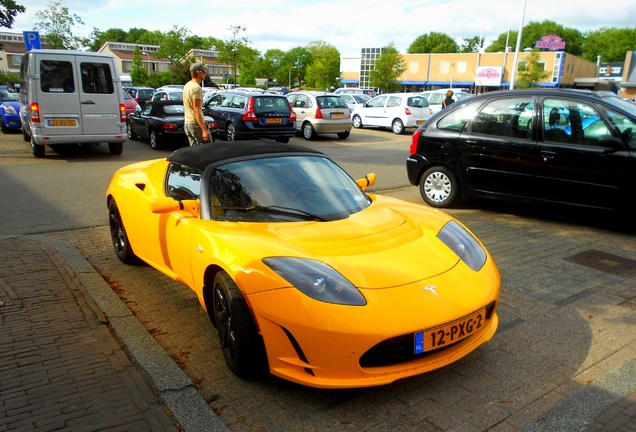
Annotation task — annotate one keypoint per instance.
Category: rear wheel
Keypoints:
(343, 135)
(397, 126)
(308, 131)
(131, 135)
(3, 126)
(439, 187)
(118, 235)
(154, 140)
(115, 148)
(357, 121)
(242, 346)
(37, 150)
(230, 132)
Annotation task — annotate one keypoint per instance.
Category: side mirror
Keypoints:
(611, 143)
(169, 205)
(367, 181)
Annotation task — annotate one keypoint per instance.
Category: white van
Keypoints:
(71, 97)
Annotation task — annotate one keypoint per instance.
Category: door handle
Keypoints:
(88, 102)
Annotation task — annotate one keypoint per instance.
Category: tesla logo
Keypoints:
(431, 288)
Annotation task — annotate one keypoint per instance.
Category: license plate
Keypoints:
(274, 120)
(438, 337)
(419, 122)
(337, 115)
(61, 122)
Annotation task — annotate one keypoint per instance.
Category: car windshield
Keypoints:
(5, 95)
(462, 95)
(145, 94)
(361, 98)
(279, 189)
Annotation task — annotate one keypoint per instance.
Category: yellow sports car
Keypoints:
(301, 271)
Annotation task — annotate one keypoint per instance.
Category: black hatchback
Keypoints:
(560, 146)
(247, 114)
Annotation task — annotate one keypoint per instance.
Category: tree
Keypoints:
(230, 50)
(56, 25)
(8, 10)
(270, 63)
(388, 67)
(294, 64)
(433, 43)
(532, 72)
(534, 31)
(324, 70)
(609, 43)
(173, 47)
(98, 38)
(472, 45)
(138, 73)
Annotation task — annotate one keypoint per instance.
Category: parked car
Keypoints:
(141, 95)
(240, 114)
(579, 150)
(355, 100)
(9, 110)
(354, 90)
(301, 272)
(160, 122)
(168, 94)
(435, 98)
(395, 110)
(320, 113)
(130, 106)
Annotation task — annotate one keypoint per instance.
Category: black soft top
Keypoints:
(201, 156)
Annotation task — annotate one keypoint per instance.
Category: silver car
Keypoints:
(320, 113)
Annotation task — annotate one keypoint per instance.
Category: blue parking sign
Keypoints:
(31, 40)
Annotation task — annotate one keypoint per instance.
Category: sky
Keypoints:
(349, 25)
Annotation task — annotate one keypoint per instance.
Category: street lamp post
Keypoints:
(514, 64)
(289, 80)
(148, 59)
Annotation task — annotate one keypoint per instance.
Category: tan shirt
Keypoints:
(191, 91)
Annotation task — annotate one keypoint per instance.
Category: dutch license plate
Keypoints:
(61, 122)
(274, 120)
(438, 337)
(419, 122)
(337, 115)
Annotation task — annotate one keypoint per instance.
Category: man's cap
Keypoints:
(197, 67)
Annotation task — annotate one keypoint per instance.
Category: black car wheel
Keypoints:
(242, 346)
(308, 131)
(343, 135)
(154, 140)
(118, 235)
(3, 126)
(357, 121)
(439, 187)
(230, 132)
(397, 126)
(115, 148)
(129, 132)
(37, 150)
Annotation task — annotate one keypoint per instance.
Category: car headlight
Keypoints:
(317, 280)
(465, 246)
(9, 110)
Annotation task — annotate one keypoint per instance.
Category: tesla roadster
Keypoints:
(303, 272)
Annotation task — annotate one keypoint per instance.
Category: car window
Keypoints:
(327, 102)
(147, 109)
(183, 182)
(572, 122)
(457, 119)
(271, 104)
(394, 101)
(8, 96)
(377, 102)
(302, 101)
(361, 98)
(226, 102)
(504, 117)
(625, 126)
(173, 109)
(417, 102)
(96, 78)
(56, 76)
(436, 99)
(239, 101)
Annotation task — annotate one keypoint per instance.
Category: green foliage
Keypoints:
(609, 43)
(8, 10)
(388, 67)
(138, 73)
(56, 25)
(433, 42)
(531, 73)
(6, 77)
(232, 51)
(324, 70)
(534, 31)
(471, 45)
(98, 39)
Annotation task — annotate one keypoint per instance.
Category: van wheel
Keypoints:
(154, 140)
(439, 187)
(37, 150)
(357, 121)
(25, 135)
(115, 148)
(397, 126)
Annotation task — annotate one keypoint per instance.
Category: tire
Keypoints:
(397, 126)
(118, 235)
(115, 148)
(357, 121)
(3, 126)
(25, 135)
(439, 187)
(344, 135)
(283, 140)
(37, 150)
(230, 132)
(154, 140)
(308, 131)
(242, 346)
(131, 135)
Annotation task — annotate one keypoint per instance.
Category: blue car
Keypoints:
(9, 110)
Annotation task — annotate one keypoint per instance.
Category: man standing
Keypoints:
(195, 128)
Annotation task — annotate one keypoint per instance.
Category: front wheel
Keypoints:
(118, 235)
(308, 131)
(242, 346)
(439, 187)
(357, 121)
(397, 126)
(129, 131)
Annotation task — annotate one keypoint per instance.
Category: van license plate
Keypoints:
(445, 335)
(274, 120)
(61, 123)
